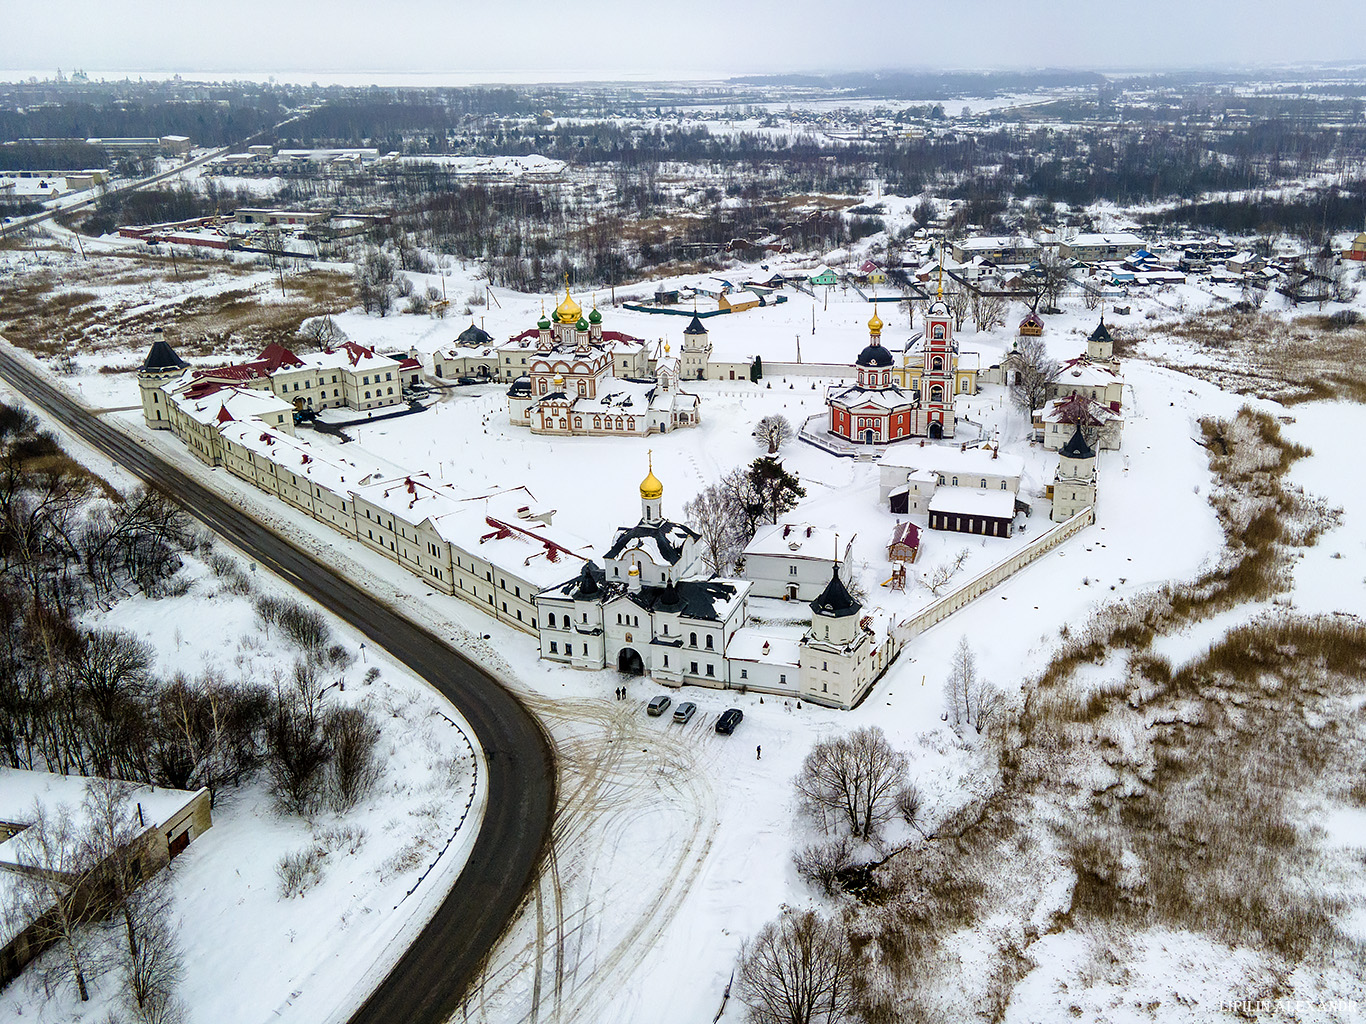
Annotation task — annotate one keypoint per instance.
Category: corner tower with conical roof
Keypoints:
(836, 659)
(160, 366)
(1074, 483)
(696, 350)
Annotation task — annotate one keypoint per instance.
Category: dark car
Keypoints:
(729, 719)
(659, 704)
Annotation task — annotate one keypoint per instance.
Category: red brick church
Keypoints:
(877, 410)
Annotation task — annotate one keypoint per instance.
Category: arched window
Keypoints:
(936, 394)
(709, 646)
(542, 383)
(551, 620)
(630, 423)
(692, 639)
(886, 377)
(938, 333)
(367, 394)
(578, 422)
(937, 364)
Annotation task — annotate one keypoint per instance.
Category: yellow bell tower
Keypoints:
(651, 496)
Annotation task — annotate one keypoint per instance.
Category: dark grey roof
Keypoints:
(668, 537)
(1076, 447)
(162, 357)
(696, 599)
(875, 355)
(835, 600)
(588, 585)
(1101, 333)
(473, 335)
(696, 326)
(520, 388)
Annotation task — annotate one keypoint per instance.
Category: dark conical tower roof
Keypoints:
(1101, 333)
(1076, 447)
(696, 326)
(835, 601)
(474, 336)
(161, 358)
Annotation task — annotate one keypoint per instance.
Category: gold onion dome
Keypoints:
(568, 311)
(875, 324)
(650, 488)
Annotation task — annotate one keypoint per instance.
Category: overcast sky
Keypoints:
(521, 40)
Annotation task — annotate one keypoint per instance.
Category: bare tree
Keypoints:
(774, 431)
(961, 681)
(353, 769)
(855, 778)
(959, 300)
(1032, 372)
(1051, 275)
(987, 311)
(798, 970)
(984, 701)
(48, 892)
(942, 574)
(296, 750)
(822, 863)
(710, 514)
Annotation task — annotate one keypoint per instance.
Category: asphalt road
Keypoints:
(427, 984)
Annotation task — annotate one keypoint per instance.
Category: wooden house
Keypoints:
(905, 543)
(1031, 326)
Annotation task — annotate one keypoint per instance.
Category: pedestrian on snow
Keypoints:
(758, 752)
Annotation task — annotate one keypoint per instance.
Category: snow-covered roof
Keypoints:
(662, 542)
(776, 645)
(327, 467)
(1081, 372)
(948, 461)
(21, 790)
(223, 404)
(974, 501)
(1078, 407)
(794, 540)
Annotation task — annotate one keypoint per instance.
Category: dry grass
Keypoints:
(52, 310)
(1302, 359)
(1172, 795)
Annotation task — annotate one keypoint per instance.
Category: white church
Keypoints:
(653, 609)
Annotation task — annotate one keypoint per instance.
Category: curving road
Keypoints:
(427, 984)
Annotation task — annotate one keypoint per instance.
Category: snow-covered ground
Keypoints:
(674, 844)
(249, 954)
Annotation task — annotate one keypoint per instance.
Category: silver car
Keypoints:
(685, 711)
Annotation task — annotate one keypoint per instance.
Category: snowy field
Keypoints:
(674, 844)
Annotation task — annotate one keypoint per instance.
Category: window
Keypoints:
(792, 570)
(666, 661)
(709, 646)
(984, 481)
(782, 677)
(711, 670)
(554, 648)
(389, 376)
(694, 668)
(744, 673)
(365, 380)
(692, 639)
(367, 394)
(551, 620)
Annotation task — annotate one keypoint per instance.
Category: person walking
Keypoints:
(758, 752)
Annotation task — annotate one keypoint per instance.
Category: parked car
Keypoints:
(659, 705)
(729, 719)
(685, 711)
